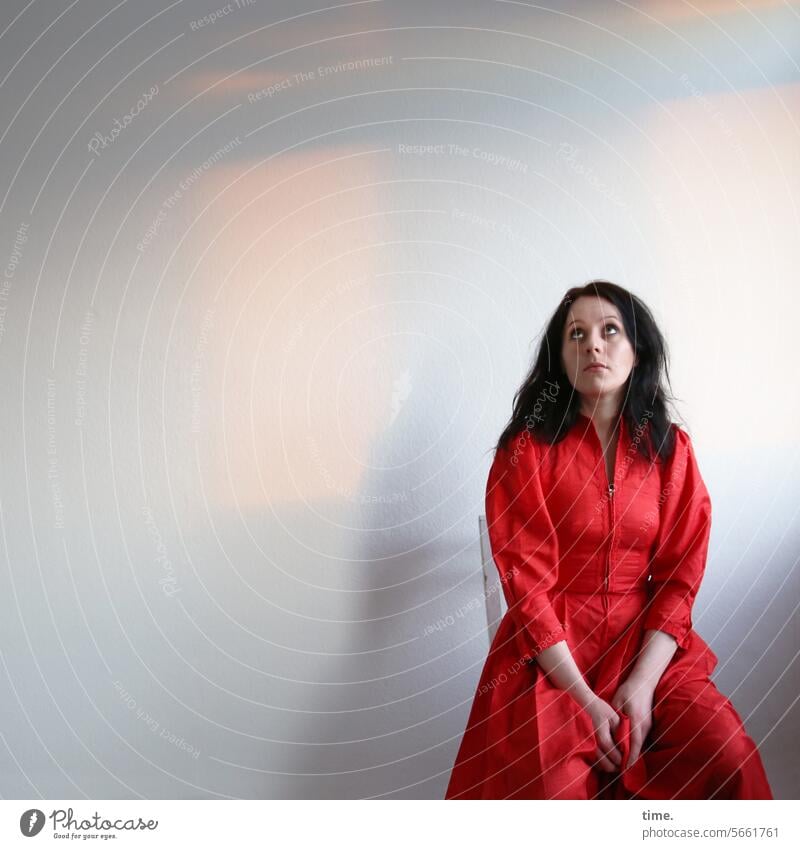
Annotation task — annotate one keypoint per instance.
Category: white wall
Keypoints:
(242, 463)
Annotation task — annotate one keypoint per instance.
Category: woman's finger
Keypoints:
(608, 747)
(636, 744)
(604, 763)
(642, 730)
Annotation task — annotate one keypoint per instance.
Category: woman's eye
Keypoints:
(576, 333)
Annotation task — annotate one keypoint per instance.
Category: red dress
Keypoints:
(597, 565)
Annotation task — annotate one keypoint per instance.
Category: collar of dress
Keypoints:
(587, 422)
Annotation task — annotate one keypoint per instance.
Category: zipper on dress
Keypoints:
(611, 482)
(611, 531)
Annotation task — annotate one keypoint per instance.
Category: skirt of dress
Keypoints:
(526, 739)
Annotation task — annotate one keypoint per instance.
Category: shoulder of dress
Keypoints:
(683, 441)
(522, 449)
(683, 454)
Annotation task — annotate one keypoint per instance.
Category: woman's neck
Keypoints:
(603, 412)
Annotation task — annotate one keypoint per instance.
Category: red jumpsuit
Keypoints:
(597, 565)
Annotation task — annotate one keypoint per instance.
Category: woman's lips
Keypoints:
(595, 367)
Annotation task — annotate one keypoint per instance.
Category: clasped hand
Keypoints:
(633, 699)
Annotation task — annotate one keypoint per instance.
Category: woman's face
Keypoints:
(594, 333)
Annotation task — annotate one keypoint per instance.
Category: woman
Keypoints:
(596, 686)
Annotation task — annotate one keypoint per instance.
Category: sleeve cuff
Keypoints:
(534, 639)
(677, 628)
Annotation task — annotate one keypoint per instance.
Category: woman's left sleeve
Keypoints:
(680, 550)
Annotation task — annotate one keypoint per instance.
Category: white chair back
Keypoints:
(492, 588)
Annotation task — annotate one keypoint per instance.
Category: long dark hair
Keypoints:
(547, 405)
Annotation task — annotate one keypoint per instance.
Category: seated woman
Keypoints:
(596, 685)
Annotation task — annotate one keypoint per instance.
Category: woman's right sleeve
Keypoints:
(524, 547)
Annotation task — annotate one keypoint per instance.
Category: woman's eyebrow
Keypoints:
(599, 321)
